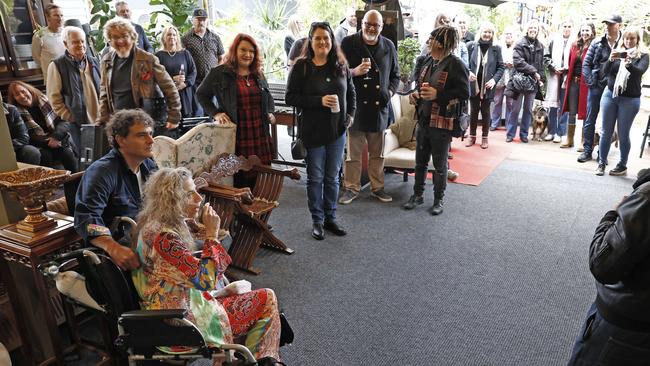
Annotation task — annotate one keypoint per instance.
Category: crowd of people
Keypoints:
(341, 81)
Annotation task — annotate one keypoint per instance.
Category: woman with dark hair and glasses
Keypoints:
(443, 83)
(242, 97)
(320, 84)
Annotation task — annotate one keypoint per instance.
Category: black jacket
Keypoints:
(17, 128)
(528, 57)
(637, 68)
(306, 86)
(619, 259)
(492, 70)
(456, 86)
(221, 83)
(594, 63)
(372, 111)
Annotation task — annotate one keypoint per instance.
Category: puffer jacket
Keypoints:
(594, 62)
(528, 57)
(619, 259)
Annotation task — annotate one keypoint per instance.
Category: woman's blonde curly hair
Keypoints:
(163, 206)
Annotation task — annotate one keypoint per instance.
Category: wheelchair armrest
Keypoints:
(154, 314)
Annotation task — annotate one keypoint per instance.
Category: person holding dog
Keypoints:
(485, 70)
(621, 99)
(442, 85)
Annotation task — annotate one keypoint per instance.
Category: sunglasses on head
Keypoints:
(316, 25)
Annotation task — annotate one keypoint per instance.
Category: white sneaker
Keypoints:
(549, 137)
(452, 175)
(565, 141)
(557, 139)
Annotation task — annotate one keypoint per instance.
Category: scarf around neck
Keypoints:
(623, 75)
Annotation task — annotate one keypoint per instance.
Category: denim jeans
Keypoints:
(556, 119)
(323, 166)
(619, 111)
(589, 127)
(603, 343)
(432, 143)
(498, 106)
(525, 100)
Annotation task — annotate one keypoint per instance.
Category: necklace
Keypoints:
(171, 54)
(245, 78)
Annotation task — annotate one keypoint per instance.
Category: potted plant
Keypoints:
(407, 50)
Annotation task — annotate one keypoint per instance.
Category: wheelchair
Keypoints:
(90, 279)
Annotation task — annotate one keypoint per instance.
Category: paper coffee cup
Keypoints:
(337, 107)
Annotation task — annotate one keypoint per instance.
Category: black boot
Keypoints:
(436, 209)
(317, 231)
(414, 201)
(439, 186)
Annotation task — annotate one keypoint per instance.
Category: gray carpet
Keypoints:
(501, 278)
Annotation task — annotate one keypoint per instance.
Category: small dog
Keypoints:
(540, 122)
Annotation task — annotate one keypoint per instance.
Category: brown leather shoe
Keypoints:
(484, 144)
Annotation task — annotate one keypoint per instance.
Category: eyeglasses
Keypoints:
(372, 25)
(120, 37)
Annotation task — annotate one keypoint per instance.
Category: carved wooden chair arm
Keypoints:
(291, 173)
(230, 193)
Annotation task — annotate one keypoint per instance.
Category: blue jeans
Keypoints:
(525, 100)
(619, 111)
(498, 106)
(589, 127)
(603, 343)
(323, 166)
(557, 125)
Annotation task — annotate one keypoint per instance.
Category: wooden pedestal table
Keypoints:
(30, 250)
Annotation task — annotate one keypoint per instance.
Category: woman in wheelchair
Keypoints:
(171, 277)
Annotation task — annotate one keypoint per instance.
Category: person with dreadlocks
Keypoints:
(442, 83)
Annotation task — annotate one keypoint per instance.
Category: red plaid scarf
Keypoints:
(438, 80)
(48, 112)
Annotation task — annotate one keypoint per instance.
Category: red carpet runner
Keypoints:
(475, 164)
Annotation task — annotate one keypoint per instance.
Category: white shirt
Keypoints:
(46, 46)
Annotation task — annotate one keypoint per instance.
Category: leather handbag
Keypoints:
(298, 149)
(523, 83)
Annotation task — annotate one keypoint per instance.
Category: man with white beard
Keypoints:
(133, 78)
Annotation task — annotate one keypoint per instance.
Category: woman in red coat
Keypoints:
(575, 100)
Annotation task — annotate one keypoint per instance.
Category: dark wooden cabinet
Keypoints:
(18, 20)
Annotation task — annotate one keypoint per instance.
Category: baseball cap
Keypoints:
(200, 13)
(614, 18)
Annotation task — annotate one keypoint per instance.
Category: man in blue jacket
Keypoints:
(111, 186)
(597, 55)
(617, 328)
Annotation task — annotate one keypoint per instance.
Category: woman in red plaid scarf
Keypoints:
(46, 130)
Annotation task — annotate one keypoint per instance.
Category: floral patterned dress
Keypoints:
(170, 277)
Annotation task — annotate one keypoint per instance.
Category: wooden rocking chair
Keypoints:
(244, 212)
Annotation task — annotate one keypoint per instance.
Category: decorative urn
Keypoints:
(32, 187)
